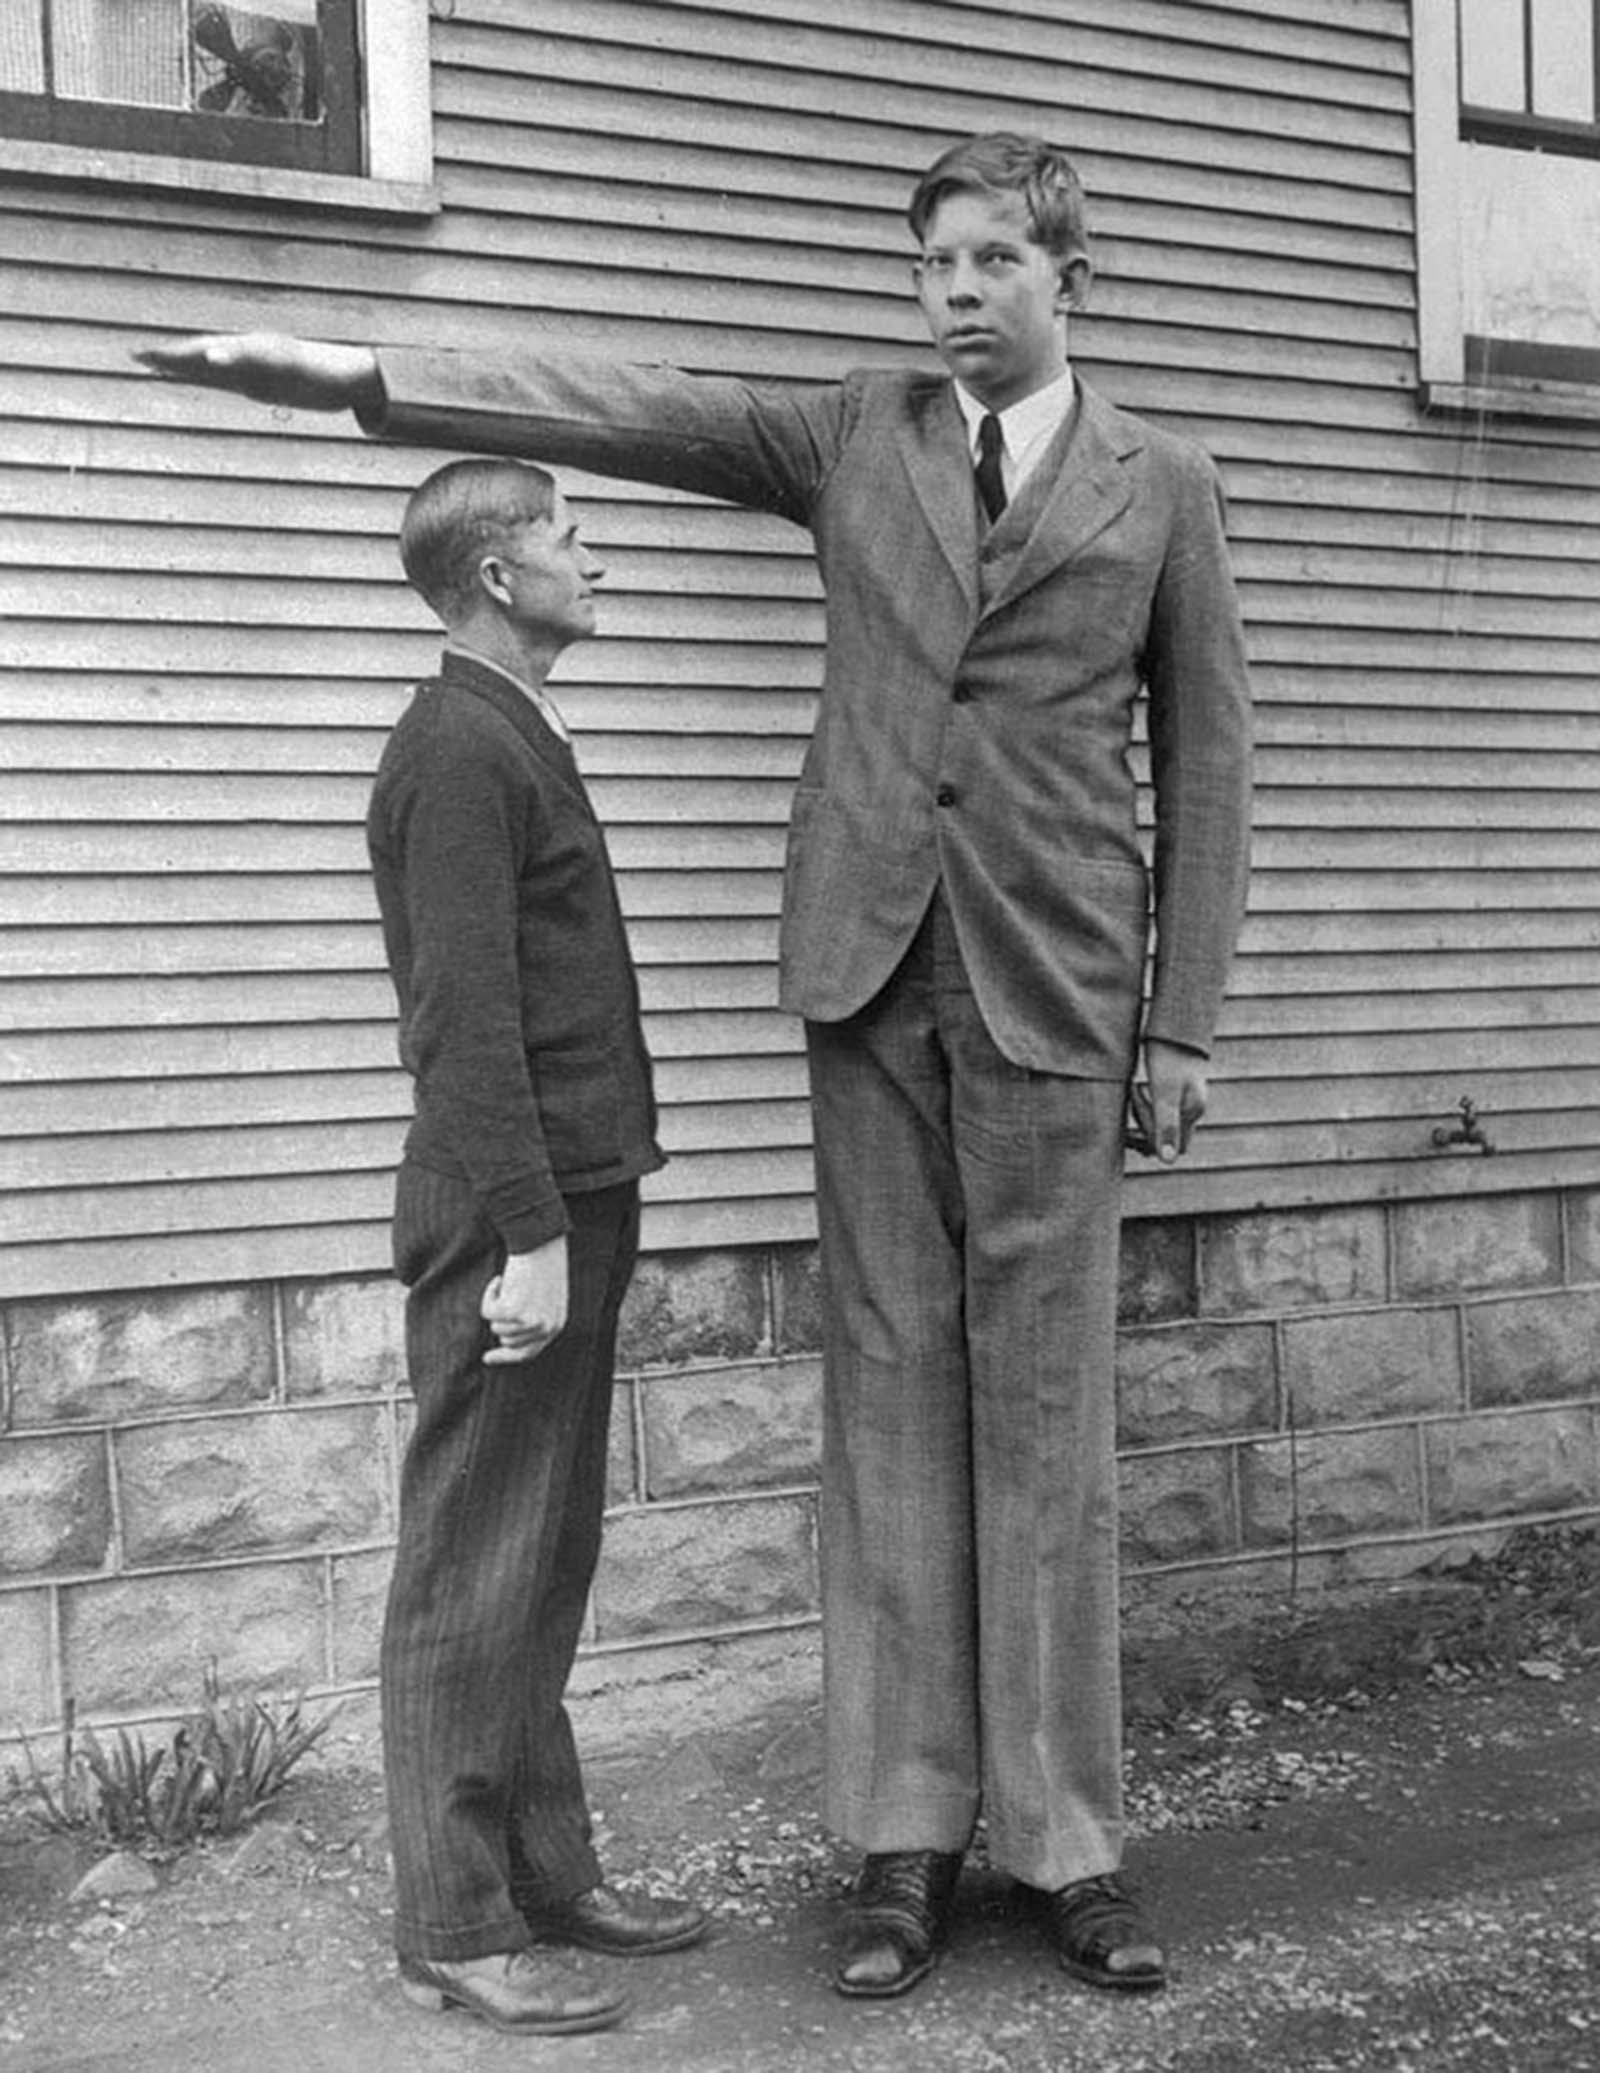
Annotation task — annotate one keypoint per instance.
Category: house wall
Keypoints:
(207, 634)
(207, 638)
(1307, 1397)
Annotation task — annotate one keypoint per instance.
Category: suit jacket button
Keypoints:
(945, 796)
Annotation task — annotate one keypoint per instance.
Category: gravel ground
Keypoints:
(1374, 1845)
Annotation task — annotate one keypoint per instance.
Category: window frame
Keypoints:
(331, 145)
(392, 168)
(1459, 371)
(1524, 129)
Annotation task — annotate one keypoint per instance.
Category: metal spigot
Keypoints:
(1468, 1133)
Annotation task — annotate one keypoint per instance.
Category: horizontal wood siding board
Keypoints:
(844, 78)
(208, 637)
(1187, 43)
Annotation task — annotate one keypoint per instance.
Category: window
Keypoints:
(1506, 95)
(1529, 74)
(267, 85)
(307, 100)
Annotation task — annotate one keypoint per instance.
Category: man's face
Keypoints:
(995, 301)
(550, 576)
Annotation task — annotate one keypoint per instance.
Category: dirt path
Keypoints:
(1410, 1884)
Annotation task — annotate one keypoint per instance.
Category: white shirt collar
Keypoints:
(1026, 427)
(540, 699)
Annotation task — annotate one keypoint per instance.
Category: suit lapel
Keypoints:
(933, 447)
(1091, 487)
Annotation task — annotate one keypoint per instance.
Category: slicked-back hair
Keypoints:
(462, 512)
(1008, 162)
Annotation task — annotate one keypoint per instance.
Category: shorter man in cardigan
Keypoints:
(515, 1232)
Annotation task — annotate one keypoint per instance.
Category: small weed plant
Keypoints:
(225, 1762)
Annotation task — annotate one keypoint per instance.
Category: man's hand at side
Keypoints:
(525, 1305)
(1167, 1108)
(302, 374)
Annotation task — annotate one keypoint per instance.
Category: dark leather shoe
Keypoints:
(1100, 1936)
(526, 1991)
(898, 1916)
(624, 1925)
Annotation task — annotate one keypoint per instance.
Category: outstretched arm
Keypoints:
(302, 374)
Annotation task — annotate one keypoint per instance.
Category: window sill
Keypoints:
(274, 184)
(1559, 402)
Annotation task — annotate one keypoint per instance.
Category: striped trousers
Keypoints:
(501, 1497)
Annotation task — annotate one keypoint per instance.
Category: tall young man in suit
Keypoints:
(1009, 560)
(516, 1225)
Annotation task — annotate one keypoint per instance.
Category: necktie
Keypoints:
(991, 482)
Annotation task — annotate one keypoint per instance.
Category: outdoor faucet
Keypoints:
(1467, 1133)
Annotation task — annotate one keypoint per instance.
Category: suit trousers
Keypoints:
(968, 1210)
(501, 1498)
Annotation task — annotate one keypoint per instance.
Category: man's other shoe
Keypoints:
(1100, 1936)
(898, 1916)
(623, 1925)
(525, 1991)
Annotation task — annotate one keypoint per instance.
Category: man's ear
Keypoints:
(1076, 275)
(492, 579)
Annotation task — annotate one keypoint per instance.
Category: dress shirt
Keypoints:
(1027, 428)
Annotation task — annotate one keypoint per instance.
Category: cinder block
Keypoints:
(700, 1567)
(1156, 1270)
(141, 1644)
(1368, 1364)
(1583, 1234)
(26, 1674)
(1176, 1507)
(622, 1449)
(695, 1306)
(1532, 1347)
(55, 1504)
(1496, 1466)
(1189, 1380)
(724, 1429)
(344, 1338)
(209, 1487)
(114, 1357)
(1332, 1486)
(360, 1591)
(797, 1280)
(1301, 1259)
(1477, 1242)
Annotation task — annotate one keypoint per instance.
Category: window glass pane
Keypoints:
(21, 47)
(119, 50)
(1493, 71)
(1563, 59)
(200, 54)
(267, 64)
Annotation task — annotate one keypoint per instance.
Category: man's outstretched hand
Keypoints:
(299, 373)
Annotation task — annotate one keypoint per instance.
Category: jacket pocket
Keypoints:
(579, 1097)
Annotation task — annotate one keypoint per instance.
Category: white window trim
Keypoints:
(1441, 302)
(397, 119)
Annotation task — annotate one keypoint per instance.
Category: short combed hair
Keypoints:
(462, 512)
(1007, 162)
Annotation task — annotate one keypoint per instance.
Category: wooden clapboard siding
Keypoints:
(207, 636)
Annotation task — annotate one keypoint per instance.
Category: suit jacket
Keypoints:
(519, 1012)
(978, 696)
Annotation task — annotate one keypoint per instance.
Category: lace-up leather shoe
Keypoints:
(623, 1925)
(898, 1916)
(526, 1991)
(1100, 1936)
